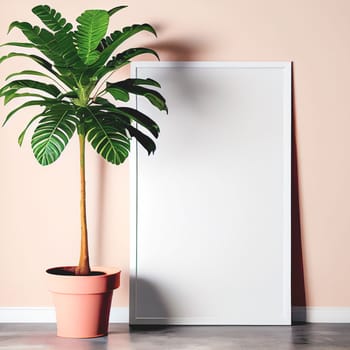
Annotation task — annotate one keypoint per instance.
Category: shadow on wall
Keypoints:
(101, 210)
(298, 280)
(182, 50)
(170, 50)
(149, 301)
(178, 50)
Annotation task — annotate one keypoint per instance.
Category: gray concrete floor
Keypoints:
(309, 336)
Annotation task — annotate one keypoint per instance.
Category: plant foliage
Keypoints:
(70, 93)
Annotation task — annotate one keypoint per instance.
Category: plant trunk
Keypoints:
(84, 265)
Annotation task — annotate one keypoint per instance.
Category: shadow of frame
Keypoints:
(148, 299)
(297, 278)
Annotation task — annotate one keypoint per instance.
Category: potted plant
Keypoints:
(72, 91)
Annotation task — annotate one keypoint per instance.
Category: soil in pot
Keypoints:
(69, 271)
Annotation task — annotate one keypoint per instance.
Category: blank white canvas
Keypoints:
(210, 218)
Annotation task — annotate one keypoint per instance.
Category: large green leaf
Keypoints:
(12, 95)
(107, 137)
(22, 134)
(67, 52)
(140, 118)
(110, 43)
(35, 73)
(41, 38)
(28, 72)
(124, 117)
(123, 59)
(43, 63)
(47, 65)
(119, 94)
(58, 47)
(139, 81)
(125, 56)
(133, 86)
(92, 28)
(32, 84)
(45, 102)
(52, 19)
(102, 71)
(146, 142)
(103, 105)
(53, 133)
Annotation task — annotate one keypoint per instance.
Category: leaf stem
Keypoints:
(98, 89)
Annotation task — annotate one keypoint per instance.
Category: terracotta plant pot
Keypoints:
(82, 303)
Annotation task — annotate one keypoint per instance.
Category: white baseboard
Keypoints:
(119, 315)
(318, 314)
(47, 315)
(311, 314)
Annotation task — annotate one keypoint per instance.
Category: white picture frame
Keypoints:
(233, 121)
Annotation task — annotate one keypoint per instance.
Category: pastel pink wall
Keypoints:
(39, 206)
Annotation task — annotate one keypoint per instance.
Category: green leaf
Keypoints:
(107, 137)
(7, 94)
(143, 139)
(103, 105)
(133, 86)
(9, 97)
(58, 47)
(93, 27)
(103, 70)
(119, 94)
(68, 58)
(28, 72)
(47, 65)
(22, 134)
(41, 38)
(52, 19)
(138, 81)
(53, 133)
(124, 57)
(69, 94)
(154, 97)
(112, 11)
(32, 84)
(27, 104)
(110, 43)
(124, 117)
(43, 63)
(139, 118)
(18, 44)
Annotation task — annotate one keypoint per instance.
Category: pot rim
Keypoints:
(107, 271)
